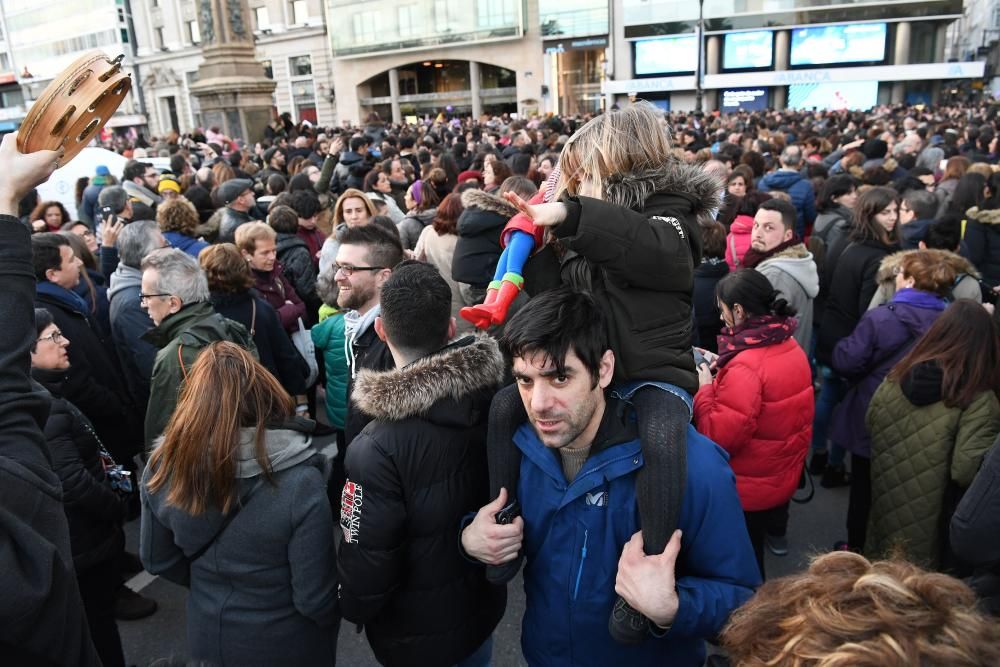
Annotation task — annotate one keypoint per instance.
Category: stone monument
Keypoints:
(232, 91)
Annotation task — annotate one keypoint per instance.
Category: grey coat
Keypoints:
(265, 591)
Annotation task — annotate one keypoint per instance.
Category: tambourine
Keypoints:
(75, 106)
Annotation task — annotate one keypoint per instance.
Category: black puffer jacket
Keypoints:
(413, 474)
(477, 250)
(636, 251)
(982, 243)
(706, 309)
(94, 510)
(852, 286)
(297, 263)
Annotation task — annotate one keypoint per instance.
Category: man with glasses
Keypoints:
(916, 214)
(365, 260)
(140, 180)
(175, 294)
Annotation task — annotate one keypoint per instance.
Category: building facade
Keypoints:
(41, 39)
(291, 44)
(801, 54)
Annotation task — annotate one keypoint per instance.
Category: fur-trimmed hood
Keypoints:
(798, 263)
(887, 268)
(986, 217)
(634, 189)
(467, 366)
(487, 202)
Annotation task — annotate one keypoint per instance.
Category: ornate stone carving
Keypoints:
(206, 25)
(236, 18)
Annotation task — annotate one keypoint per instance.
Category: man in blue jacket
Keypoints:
(580, 522)
(799, 188)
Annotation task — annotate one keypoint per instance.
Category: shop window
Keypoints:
(300, 66)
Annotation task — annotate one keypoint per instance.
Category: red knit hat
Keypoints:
(470, 175)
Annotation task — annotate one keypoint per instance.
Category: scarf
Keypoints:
(356, 324)
(64, 296)
(758, 331)
(920, 299)
(754, 257)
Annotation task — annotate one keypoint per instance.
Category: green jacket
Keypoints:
(181, 337)
(328, 337)
(916, 452)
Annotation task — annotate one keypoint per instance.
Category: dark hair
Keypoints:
(923, 203)
(945, 234)
(384, 249)
(785, 208)
(520, 164)
(870, 203)
(114, 197)
(501, 171)
(713, 241)
(416, 308)
(449, 165)
(177, 163)
(406, 142)
(46, 253)
(276, 184)
(522, 185)
(387, 225)
(447, 214)
(39, 212)
(835, 186)
(968, 193)
(371, 178)
(754, 292)
(134, 169)
(305, 203)
(555, 322)
(358, 142)
(43, 318)
(755, 161)
(963, 343)
(283, 220)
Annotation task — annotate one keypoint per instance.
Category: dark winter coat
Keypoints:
(826, 243)
(94, 383)
(299, 267)
(276, 289)
(277, 354)
(982, 243)
(188, 244)
(801, 191)
(371, 353)
(706, 309)
(129, 321)
(228, 220)
(975, 529)
(479, 229)
(413, 473)
(919, 448)
(97, 300)
(42, 621)
(412, 225)
(883, 337)
(636, 251)
(851, 288)
(265, 591)
(180, 338)
(94, 510)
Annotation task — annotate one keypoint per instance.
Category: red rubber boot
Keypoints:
(478, 318)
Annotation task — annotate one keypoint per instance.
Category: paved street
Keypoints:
(813, 528)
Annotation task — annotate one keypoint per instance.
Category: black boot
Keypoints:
(506, 415)
(663, 420)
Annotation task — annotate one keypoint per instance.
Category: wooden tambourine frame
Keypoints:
(75, 106)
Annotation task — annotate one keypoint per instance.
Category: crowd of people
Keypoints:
(609, 349)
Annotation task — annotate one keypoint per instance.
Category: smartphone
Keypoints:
(508, 513)
(699, 358)
(106, 213)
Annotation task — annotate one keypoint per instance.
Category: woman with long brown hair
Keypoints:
(234, 506)
(931, 422)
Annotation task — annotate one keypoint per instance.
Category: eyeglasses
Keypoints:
(88, 233)
(349, 270)
(56, 337)
(144, 298)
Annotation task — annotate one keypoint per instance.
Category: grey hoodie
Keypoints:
(793, 273)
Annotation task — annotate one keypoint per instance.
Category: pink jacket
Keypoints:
(738, 241)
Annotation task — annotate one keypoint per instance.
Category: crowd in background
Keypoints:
(842, 323)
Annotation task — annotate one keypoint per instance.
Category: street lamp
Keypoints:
(698, 92)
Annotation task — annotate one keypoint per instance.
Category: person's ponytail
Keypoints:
(754, 292)
(781, 307)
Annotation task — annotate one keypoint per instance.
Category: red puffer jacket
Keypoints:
(760, 410)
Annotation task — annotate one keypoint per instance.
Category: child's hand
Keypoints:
(543, 215)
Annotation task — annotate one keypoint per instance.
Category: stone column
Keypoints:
(779, 97)
(940, 45)
(712, 66)
(397, 115)
(477, 99)
(901, 56)
(232, 90)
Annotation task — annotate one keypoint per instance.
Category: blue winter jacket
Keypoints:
(188, 244)
(801, 191)
(574, 535)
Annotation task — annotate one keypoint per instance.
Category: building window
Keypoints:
(194, 34)
(496, 13)
(263, 22)
(268, 68)
(4, 62)
(159, 38)
(407, 20)
(364, 27)
(300, 66)
(300, 12)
